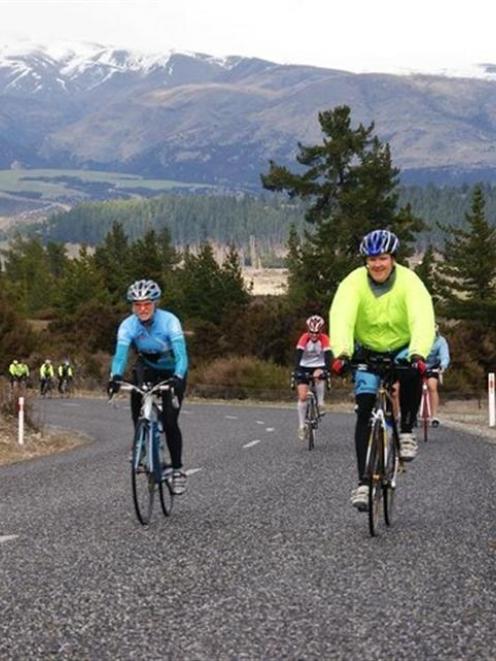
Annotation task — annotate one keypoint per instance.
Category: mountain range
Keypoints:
(192, 117)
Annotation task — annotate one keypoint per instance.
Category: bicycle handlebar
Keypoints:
(381, 364)
(163, 386)
(324, 376)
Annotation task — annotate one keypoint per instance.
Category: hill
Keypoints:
(195, 118)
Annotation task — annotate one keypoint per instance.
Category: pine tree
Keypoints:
(235, 293)
(467, 274)
(28, 278)
(350, 186)
(82, 283)
(114, 260)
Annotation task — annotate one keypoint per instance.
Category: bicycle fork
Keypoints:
(147, 452)
(425, 402)
(377, 417)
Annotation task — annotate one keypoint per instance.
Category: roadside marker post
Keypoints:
(492, 402)
(20, 437)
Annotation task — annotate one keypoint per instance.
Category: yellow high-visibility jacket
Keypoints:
(401, 316)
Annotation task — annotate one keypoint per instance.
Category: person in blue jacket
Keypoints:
(158, 338)
(437, 361)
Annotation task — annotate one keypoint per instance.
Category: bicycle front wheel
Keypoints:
(165, 483)
(389, 487)
(425, 413)
(142, 477)
(310, 421)
(375, 475)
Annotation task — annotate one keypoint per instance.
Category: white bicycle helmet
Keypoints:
(315, 323)
(143, 290)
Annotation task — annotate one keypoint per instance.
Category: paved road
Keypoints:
(264, 558)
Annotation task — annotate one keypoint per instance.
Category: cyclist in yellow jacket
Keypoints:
(380, 308)
(47, 374)
(18, 373)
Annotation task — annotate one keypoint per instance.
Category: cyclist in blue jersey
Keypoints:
(158, 338)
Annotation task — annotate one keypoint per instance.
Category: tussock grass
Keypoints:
(241, 377)
(37, 441)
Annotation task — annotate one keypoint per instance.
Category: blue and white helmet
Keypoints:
(143, 290)
(379, 242)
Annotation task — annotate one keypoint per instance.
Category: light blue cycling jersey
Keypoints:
(162, 337)
(439, 355)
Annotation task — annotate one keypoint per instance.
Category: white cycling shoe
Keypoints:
(408, 447)
(360, 497)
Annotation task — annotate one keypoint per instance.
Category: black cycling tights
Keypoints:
(170, 414)
(410, 394)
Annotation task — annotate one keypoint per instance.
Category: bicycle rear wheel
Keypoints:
(143, 479)
(375, 475)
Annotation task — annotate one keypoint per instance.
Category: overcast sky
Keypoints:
(358, 35)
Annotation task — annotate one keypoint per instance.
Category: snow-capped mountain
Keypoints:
(195, 117)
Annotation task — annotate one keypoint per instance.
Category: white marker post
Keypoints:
(21, 421)
(492, 403)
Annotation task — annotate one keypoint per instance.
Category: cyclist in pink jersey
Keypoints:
(312, 358)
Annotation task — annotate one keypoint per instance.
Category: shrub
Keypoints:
(240, 377)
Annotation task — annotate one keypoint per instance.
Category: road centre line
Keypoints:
(270, 428)
(7, 538)
(251, 443)
(231, 417)
(260, 422)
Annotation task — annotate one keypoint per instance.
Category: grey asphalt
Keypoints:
(263, 558)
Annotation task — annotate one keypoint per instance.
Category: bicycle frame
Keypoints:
(425, 411)
(312, 414)
(149, 470)
(382, 462)
(382, 413)
(150, 412)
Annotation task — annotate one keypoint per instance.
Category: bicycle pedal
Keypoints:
(167, 473)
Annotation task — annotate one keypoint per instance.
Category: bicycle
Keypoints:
(425, 409)
(65, 386)
(46, 387)
(149, 470)
(312, 411)
(382, 463)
